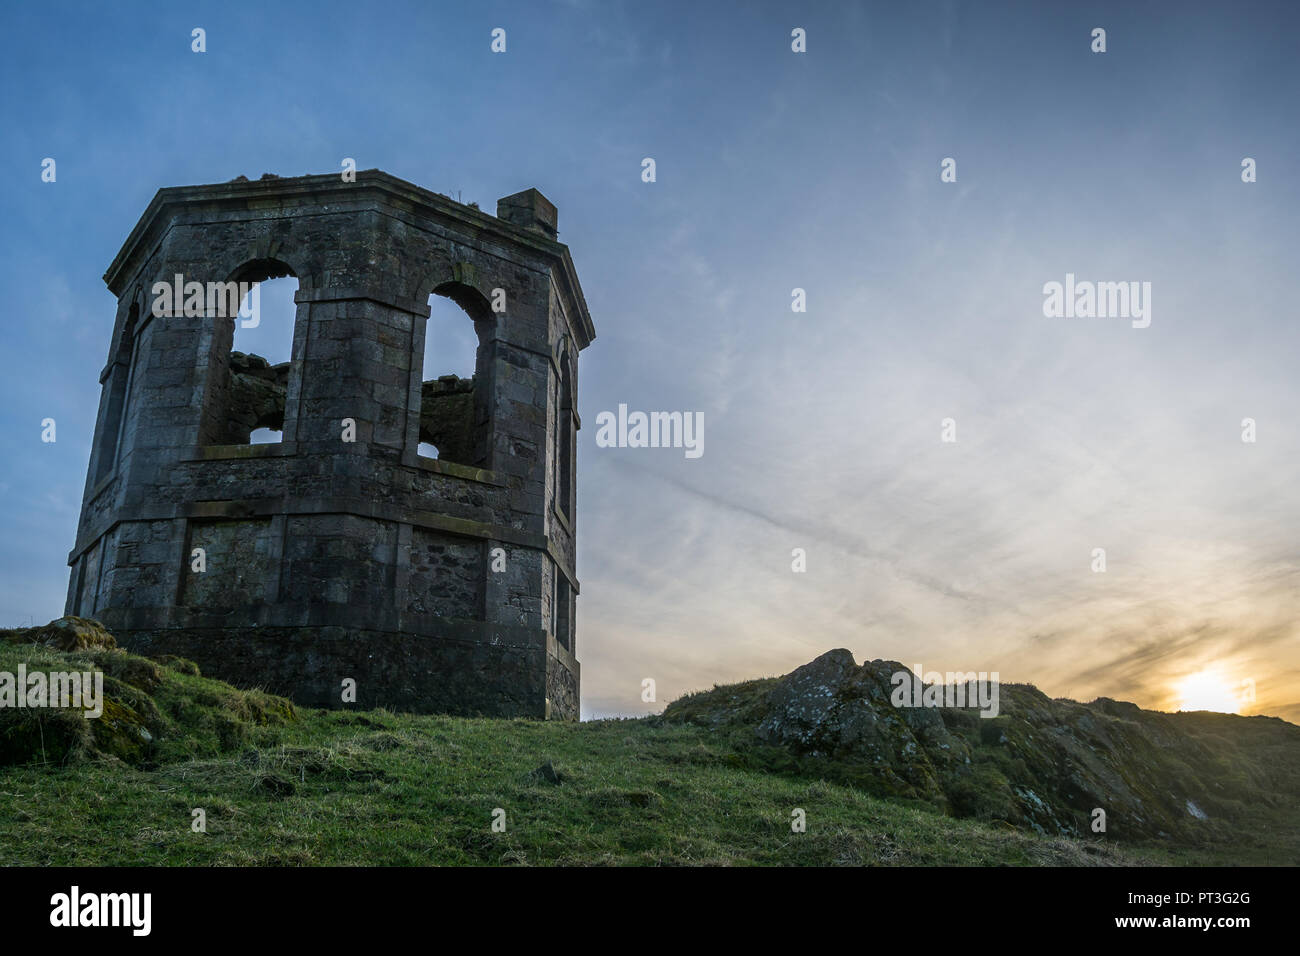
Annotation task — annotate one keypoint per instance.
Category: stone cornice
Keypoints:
(321, 189)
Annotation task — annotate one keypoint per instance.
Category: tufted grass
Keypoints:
(307, 787)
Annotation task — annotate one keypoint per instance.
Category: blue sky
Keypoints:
(775, 170)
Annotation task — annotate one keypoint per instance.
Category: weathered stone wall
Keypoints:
(329, 558)
(239, 560)
(446, 575)
(449, 420)
(256, 398)
(451, 671)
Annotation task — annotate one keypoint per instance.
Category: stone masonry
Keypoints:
(437, 585)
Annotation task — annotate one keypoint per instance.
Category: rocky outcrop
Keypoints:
(1042, 764)
(64, 634)
(833, 708)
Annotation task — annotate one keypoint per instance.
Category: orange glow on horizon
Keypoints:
(1207, 689)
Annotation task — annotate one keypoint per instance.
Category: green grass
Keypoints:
(379, 789)
(307, 787)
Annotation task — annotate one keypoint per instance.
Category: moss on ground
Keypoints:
(280, 786)
(153, 711)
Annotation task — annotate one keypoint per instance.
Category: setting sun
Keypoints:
(1207, 690)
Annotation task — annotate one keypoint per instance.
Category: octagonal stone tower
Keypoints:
(341, 553)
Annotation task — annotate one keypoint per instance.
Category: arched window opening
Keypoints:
(453, 405)
(260, 354)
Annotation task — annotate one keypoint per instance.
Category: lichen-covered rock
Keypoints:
(832, 707)
(64, 634)
(1041, 764)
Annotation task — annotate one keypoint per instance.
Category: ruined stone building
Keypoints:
(340, 552)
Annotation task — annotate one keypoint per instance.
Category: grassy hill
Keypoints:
(287, 786)
(1215, 782)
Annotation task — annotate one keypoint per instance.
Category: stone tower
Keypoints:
(436, 584)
